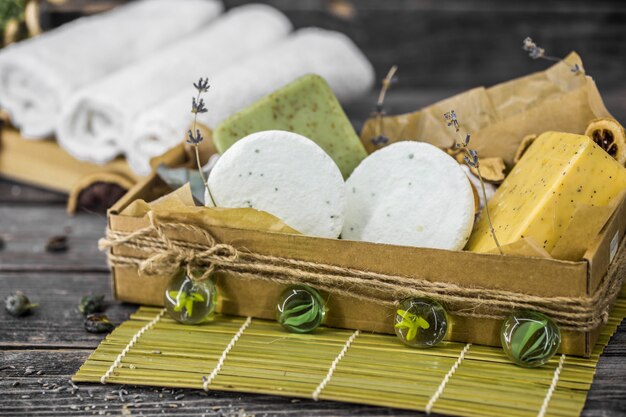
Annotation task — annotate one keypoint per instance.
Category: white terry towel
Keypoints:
(329, 54)
(39, 74)
(96, 122)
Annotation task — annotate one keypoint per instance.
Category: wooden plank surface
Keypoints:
(53, 343)
(27, 229)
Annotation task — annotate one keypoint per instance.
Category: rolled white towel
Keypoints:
(39, 74)
(329, 54)
(96, 122)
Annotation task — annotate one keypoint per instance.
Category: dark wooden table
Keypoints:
(40, 353)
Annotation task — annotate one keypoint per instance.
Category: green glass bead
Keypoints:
(188, 301)
(529, 338)
(300, 309)
(421, 322)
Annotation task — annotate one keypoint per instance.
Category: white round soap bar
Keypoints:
(412, 194)
(284, 174)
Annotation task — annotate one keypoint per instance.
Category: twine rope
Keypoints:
(333, 366)
(131, 343)
(446, 379)
(555, 380)
(161, 255)
(206, 380)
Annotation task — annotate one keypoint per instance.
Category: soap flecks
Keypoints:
(291, 177)
(539, 198)
(436, 212)
(306, 106)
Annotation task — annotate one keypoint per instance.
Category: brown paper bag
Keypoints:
(499, 117)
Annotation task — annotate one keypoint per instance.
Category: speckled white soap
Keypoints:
(284, 174)
(411, 194)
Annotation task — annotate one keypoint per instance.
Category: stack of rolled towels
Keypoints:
(121, 82)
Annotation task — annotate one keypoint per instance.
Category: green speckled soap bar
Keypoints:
(306, 106)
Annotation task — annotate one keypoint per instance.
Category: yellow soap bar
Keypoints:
(558, 173)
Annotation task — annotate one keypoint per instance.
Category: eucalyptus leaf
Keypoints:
(177, 177)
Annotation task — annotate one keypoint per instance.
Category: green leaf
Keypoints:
(422, 323)
(189, 307)
(301, 319)
(298, 308)
(405, 314)
(411, 333)
(197, 296)
(180, 297)
(524, 333)
(536, 350)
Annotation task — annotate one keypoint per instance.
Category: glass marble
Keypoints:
(300, 309)
(529, 338)
(421, 322)
(188, 301)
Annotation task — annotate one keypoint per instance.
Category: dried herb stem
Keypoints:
(491, 229)
(537, 52)
(194, 135)
(389, 79)
(472, 160)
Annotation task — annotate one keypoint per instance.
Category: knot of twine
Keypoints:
(174, 255)
(153, 252)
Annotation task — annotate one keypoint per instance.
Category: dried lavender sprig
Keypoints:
(537, 52)
(388, 81)
(197, 106)
(471, 159)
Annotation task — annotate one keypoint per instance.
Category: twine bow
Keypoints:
(200, 265)
(154, 253)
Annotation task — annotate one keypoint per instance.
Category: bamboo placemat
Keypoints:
(257, 356)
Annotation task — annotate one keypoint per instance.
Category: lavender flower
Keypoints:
(194, 139)
(202, 85)
(536, 52)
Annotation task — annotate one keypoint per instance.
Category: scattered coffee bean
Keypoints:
(57, 244)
